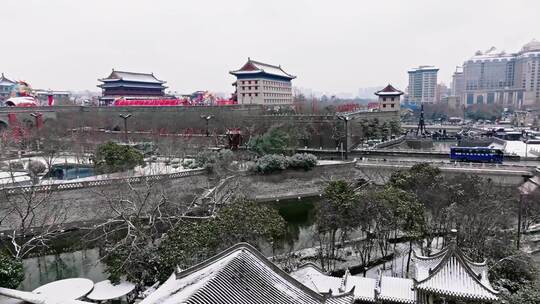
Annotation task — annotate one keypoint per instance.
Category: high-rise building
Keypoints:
(441, 92)
(261, 83)
(458, 82)
(423, 84)
(495, 76)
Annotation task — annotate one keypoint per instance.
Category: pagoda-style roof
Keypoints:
(240, 274)
(389, 90)
(6, 82)
(313, 277)
(131, 77)
(256, 67)
(451, 273)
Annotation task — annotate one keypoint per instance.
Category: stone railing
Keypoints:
(445, 164)
(101, 182)
(390, 142)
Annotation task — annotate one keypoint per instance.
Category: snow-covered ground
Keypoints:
(518, 148)
(153, 167)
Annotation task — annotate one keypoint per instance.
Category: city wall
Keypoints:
(320, 130)
(83, 203)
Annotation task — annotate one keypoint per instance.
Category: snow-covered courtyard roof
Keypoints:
(451, 273)
(313, 277)
(240, 274)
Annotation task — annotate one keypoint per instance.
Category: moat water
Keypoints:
(298, 214)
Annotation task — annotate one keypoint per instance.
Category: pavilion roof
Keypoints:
(451, 273)
(132, 77)
(5, 81)
(255, 67)
(239, 274)
(389, 90)
(313, 277)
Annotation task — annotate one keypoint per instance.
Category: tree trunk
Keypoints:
(409, 257)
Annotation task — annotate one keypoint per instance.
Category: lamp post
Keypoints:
(207, 118)
(345, 119)
(37, 116)
(125, 117)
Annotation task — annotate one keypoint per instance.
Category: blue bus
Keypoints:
(476, 154)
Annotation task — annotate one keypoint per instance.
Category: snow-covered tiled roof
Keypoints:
(254, 67)
(313, 277)
(240, 274)
(451, 273)
(132, 76)
(364, 288)
(398, 290)
(6, 82)
(389, 90)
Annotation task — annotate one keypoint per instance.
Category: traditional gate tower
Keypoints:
(389, 98)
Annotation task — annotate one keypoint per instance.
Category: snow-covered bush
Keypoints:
(271, 163)
(304, 161)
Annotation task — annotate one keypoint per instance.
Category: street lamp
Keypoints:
(207, 118)
(125, 117)
(37, 116)
(345, 119)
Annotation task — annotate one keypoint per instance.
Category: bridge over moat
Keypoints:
(379, 171)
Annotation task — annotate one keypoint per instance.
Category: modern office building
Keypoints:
(262, 83)
(458, 83)
(423, 84)
(511, 79)
(130, 84)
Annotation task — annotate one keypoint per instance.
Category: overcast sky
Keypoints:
(331, 45)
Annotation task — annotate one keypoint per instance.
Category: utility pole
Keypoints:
(125, 117)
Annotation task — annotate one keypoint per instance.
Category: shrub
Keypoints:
(304, 161)
(271, 163)
(35, 167)
(111, 157)
(11, 271)
(210, 160)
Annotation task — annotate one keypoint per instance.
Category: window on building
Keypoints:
(392, 105)
(384, 99)
(256, 94)
(392, 100)
(384, 105)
